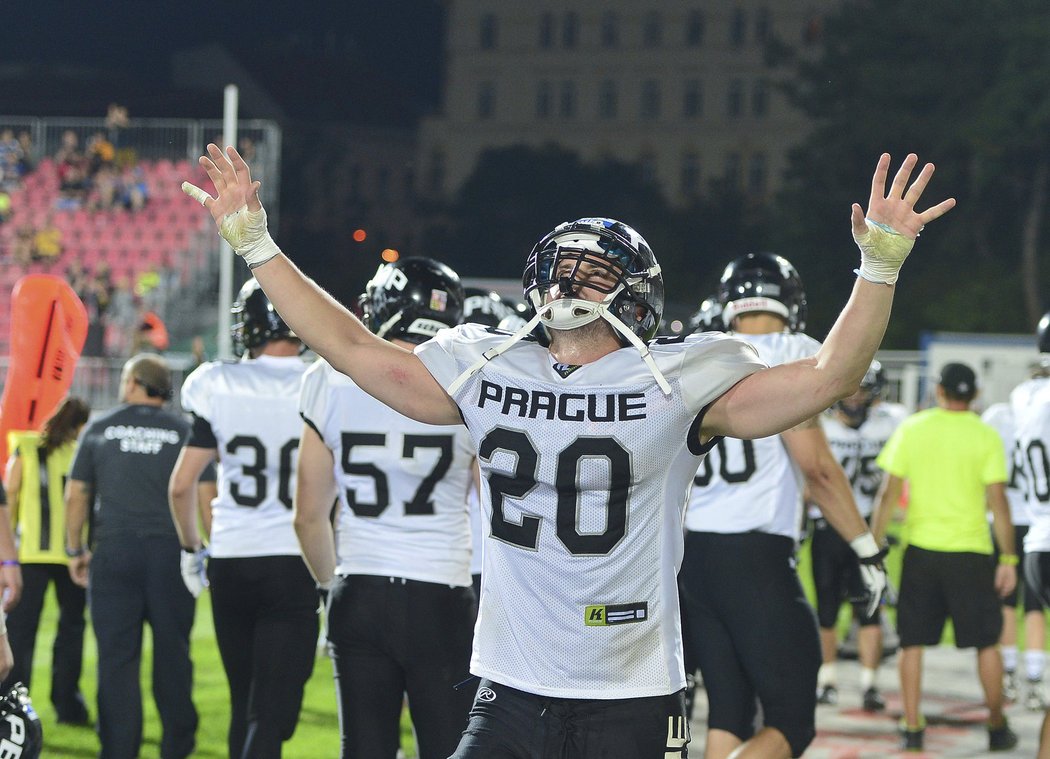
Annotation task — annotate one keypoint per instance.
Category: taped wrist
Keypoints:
(246, 233)
(882, 252)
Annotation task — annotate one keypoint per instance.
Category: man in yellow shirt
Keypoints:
(955, 468)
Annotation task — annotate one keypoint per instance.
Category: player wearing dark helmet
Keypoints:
(397, 570)
(587, 449)
(21, 733)
(753, 632)
(264, 604)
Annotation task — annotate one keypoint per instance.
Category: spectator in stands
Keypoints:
(152, 334)
(116, 120)
(100, 152)
(134, 192)
(72, 172)
(22, 246)
(5, 206)
(69, 148)
(25, 142)
(121, 319)
(47, 242)
(10, 172)
(9, 145)
(105, 190)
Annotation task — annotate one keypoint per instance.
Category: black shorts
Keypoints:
(754, 633)
(1037, 574)
(936, 585)
(1032, 601)
(836, 577)
(506, 723)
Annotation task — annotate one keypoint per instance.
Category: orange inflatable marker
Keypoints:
(48, 328)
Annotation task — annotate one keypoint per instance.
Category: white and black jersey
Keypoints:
(1033, 447)
(585, 472)
(402, 484)
(248, 410)
(857, 448)
(1001, 417)
(752, 485)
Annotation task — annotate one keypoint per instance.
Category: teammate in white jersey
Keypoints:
(587, 451)
(401, 607)
(754, 633)
(264, 602)
(856, 428)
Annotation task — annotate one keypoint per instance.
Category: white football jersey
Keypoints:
(1022, 395)
(252, 407)
(585, 472)
(477, 531)
(1033, 445)
(402, 484)
(752, 485)
(1001, 417)
(857, 448)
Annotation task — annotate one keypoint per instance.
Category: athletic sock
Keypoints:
(1009, 658)
(826, 675)
(867, 678)
(1034, 661)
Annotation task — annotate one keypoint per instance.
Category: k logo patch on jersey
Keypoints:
(566, 369)
(615, 614)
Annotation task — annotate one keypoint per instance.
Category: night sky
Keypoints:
(133, 41)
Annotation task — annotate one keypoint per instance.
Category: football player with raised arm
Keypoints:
(401, 607)
(264, 602)
(754, 633)
(587, 450)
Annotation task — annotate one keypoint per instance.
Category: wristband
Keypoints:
(10, 563)
(864, 545)
(1008, 559)
(73, 553)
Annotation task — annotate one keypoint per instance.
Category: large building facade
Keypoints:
(683, 87)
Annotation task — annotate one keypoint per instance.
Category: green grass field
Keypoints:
(317, 736)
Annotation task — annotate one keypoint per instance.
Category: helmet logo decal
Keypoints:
(438, 300)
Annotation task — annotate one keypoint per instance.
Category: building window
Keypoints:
(693, 99)
(567, 100)
(650, 106)
(436, 172)
(544, 100)
(735, 99)
(760, 99)
(547, 31)
(608, 102)
(652, 30)
(647, 164)
(756, 174)
(694, 29)
(486, 101)
(489, 32)
(762, 25)
(570, 30)
(738, 27)
(610, 30)
(732, 172)
(690, 175)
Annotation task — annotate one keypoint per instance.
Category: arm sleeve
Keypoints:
(439, 357)
(313, 396)
(201, 434)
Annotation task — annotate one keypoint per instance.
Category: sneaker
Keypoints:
(1001, 738)
(1010, 685)
(1035, 700)
(911, 740)
(873, 701)
(827, 694)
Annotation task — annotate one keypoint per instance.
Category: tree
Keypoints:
(964, 83)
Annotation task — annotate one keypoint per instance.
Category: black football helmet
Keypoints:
(763, 282)
(856, 407)
(1042, 333)
(411, 299)
(485, 307)
(255, 321)
(708, 318)
(635, 296)
(21, 734)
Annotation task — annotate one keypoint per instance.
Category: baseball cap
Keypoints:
(958, 380)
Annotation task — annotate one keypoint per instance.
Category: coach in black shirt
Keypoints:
(121, 470)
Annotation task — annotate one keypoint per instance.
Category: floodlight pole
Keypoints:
(226, 255)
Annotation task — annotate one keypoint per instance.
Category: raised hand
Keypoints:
(887, 232)
(236, 207)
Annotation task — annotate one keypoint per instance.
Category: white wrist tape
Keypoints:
(246, 233)
(882, 252)
(864, 545)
